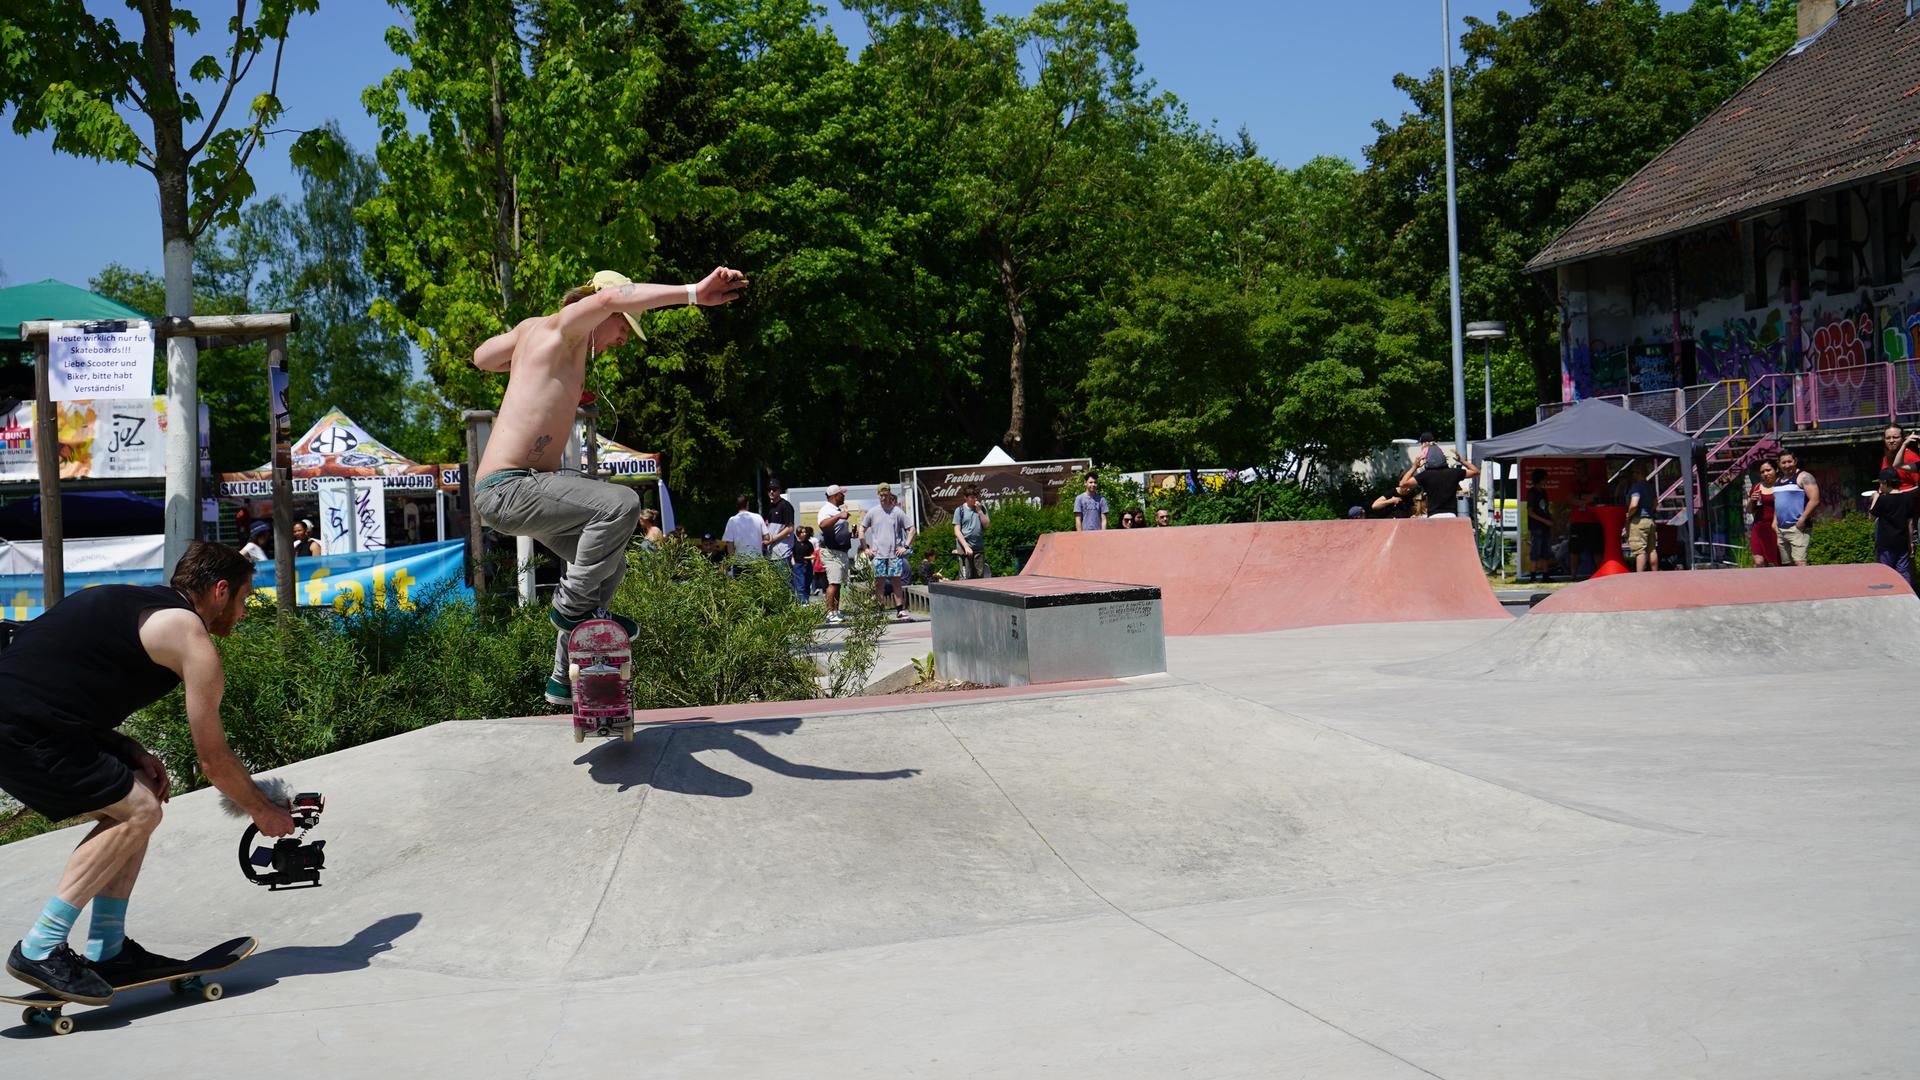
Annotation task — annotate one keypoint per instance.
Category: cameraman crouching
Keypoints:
(68, 680)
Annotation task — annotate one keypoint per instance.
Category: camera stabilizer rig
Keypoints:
(293, 864)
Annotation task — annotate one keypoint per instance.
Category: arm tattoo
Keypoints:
(540, 447)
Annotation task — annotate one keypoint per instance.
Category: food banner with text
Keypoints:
(336, 446)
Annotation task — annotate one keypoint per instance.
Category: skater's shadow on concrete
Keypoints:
(257, 972)
(669, 759)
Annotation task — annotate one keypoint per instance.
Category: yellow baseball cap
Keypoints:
(609, 279)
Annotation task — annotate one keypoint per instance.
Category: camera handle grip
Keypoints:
(246, 854)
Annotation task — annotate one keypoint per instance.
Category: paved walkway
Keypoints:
(1311, 853)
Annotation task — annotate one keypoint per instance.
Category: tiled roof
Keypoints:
(1839, 109)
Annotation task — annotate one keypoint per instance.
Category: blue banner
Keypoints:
(394, 578)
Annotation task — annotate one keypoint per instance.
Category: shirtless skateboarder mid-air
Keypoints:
(67, 681)
(526, 487)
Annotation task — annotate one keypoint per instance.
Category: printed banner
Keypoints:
(335, 446)
(83, 556)
(394, 578)
(88, 361)
(353, 515)
(117, 439)
(1034, 481)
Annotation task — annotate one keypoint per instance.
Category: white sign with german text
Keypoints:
(100, 360)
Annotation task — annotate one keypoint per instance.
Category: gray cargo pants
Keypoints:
(586, 522)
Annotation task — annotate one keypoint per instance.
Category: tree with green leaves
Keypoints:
(1553, 109)
(65, 70)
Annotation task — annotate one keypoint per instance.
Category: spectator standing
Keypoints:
(836, 546)
(1090, 507)
(1643, 534)
(804, 554)
(1892, 510)
(1126, 518)
(1902, 455)
(259, 542)
(780, 533)
(305, 546)
(970, 522)
(1539, 526)
(1762, 542)
(650, 535)
(1402, 502)
(1440, 483)
(1162, 519)
(1795, 497)
(745, 536)
(1355, 513)
(886, 536)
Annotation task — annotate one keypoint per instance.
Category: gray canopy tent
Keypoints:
(1596, 428)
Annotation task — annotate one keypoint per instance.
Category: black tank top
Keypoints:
(82, 664)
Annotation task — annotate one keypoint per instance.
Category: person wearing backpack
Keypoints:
(836, 546)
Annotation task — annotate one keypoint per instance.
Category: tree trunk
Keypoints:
(506, 248)
(1014, 441)
(182, 447)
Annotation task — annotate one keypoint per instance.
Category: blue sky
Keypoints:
(1305, 78)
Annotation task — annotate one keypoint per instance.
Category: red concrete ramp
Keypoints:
(1243, 579)
(1716, 588)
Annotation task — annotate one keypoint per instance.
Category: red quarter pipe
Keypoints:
(1242, 579)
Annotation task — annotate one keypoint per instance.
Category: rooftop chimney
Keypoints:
(1814, 14)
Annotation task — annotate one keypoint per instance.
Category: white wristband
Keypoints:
(693, 297)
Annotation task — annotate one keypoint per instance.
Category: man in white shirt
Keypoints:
(745, 536)
(834, 524)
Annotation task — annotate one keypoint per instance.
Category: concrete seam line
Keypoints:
(1154, 930)
(620, 858)
(1598, 813)
(1220, 597)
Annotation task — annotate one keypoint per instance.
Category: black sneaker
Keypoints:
(63, 974)
(133, 964)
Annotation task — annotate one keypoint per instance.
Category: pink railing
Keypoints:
(1885, 393)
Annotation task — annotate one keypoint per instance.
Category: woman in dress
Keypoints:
(1762, 541)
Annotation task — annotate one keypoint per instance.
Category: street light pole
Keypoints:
(1486, 333)
(1453, 235)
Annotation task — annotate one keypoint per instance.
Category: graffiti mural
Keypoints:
(1744, 347)
(1840, 339)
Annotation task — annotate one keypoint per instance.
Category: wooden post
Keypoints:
(283, 578)
(592, 415)
(46, 454)
(471, 418)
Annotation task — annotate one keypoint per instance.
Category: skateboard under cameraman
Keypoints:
(187, 977)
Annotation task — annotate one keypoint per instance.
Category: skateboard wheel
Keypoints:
(578, 735)
(626, 734)
(62, 1025)
(30, 1016)
(626, 671)
(573, 674)
(211, 992)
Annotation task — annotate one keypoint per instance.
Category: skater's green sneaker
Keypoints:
(559, 693)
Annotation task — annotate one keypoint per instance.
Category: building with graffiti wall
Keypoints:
(1760, 278)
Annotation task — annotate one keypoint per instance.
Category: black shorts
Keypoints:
(60, 775)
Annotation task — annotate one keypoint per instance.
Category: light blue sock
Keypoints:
(50, 930)
(109, 929)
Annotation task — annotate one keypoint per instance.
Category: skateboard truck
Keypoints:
(289, 863)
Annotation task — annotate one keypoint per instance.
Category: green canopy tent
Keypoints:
(47, 299)
(52, 299)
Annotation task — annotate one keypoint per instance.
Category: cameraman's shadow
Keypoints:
(256, 972)
(667, 759)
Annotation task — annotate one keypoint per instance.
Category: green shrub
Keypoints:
(709, 639)
(1245, 500)
(1845, 539)
(1020, 524)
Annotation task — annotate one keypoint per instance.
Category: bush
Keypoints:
(1244, 500)
(1020, 524)
(709, 639)
(1845, 539)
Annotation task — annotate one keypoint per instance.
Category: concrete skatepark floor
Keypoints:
(1316, 852)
